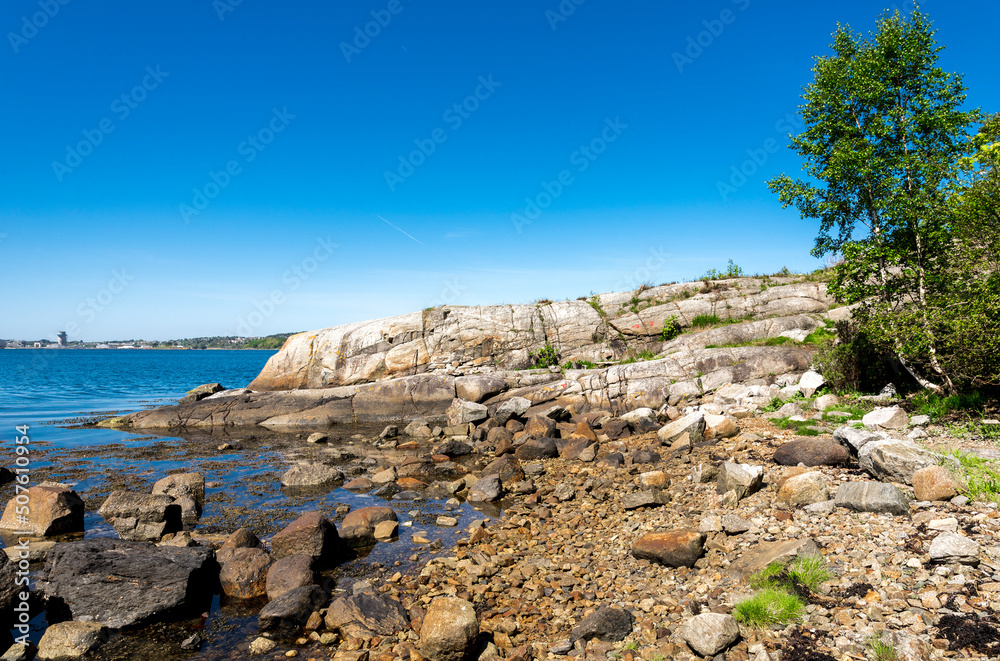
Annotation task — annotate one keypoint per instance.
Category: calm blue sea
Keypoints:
(48, 385)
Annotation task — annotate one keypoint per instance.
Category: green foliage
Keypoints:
(854, 363)
(885, 135)
(544, 357)
(820, 337)
(732, 271)
(760, 342)
(269, 342)
(768, 607)
(671, 328)
(800, 427)
(595, 303)
(937, 407)
(807, 572)
(979, 476)
(705, 320)
(579, 364)
(880, 650)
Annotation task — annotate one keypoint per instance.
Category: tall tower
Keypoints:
(62, 338)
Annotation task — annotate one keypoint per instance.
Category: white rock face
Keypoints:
(811, 382)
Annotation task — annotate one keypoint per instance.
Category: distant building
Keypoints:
(62, 338)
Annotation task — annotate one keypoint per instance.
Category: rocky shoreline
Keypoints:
(613, 511)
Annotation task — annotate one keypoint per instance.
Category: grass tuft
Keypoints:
(768, 607)
(880, 650)
(980, 476)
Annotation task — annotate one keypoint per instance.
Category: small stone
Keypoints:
(891, 417)
(805, 489)
(261, 646)
(648, 498)
(606, 624)
(447, 521)
(951, 547)
(70, 640)
(934, 483)
(386, 529)
(709, 634)
(317, 437)
(678, 548)
(449, 629)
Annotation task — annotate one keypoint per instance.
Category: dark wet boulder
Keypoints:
(311, 534)
(606, 624)
(358, 527)
(811, 452)
(122, 583)
(537, 448)
(367, 614)
(244, 575)
(287, 574)
(285, 616)
(507, 467)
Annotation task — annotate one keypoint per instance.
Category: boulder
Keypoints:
(285, 616)
(289, 573)
(70, 640)
(486, 489)
(642, 420)
(358, 527)
(514, 407)
(877, 497)
(581, 449)
(744, 479)
(677, 548)
(311, 534)
(244, 575)
(709, 634)
(367, 614)
(891, 417)
(121, 583)
(9, 587)
(811, 382)
(645, 498)
(718, 427)
(455, 448)
(53, 510)
(855, 439)
(462, 412)
(537, 448)
(735, 525)
(692, 424)
(449, 630)
(616, 429)
(182, 484)
(478, 387)
(934, 483)
(242, 538)
(606, 623)
(950, 547)
(896, 460)
(319, 437)
(757, 558)
(199, 393)
(540, 426)
(141, 517)
(804, 489)
(811, 452)
(826, 402)
(310, 474)
(507, 467)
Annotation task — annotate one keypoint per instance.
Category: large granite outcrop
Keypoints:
(415, 366)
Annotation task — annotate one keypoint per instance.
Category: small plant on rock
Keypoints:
(544, 357)
(880, 650)
(671, 328)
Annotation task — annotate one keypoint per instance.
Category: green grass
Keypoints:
(808, 571)
(632, 645)
(820, 336)
(761, 342)
(641, 356)
(768, 607)
(855, 411)
(936, 406)
(595, 303)
(980, 476)
(880, 650)
(705, 320)
(800, 427)
(579, 364)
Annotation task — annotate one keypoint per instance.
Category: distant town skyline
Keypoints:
(183, 170)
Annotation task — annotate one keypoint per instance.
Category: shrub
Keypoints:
(544, 357)
(671, 328)
(854, 363)
(732, 271)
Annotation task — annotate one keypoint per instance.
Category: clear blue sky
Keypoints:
(110, 238)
